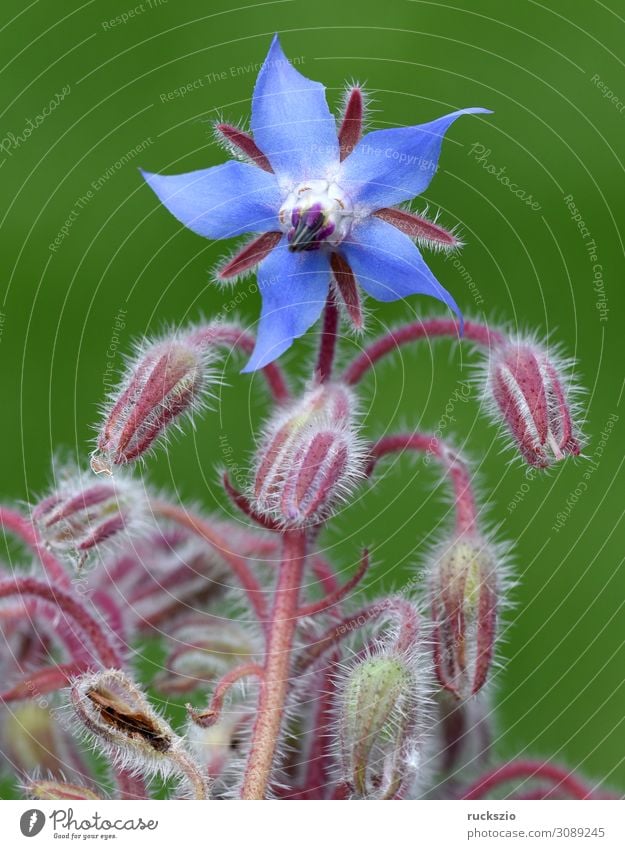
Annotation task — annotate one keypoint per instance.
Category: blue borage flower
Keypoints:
(323, 204)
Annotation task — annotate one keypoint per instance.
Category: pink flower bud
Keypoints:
(82, 514)
(529, 393)
(464, 596)
(166, 380)
(379, 718)
(311, 456)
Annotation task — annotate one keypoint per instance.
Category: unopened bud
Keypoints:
(311, 456)
(124, 724)
(166, 380)
(464, 596)
(61, 791)
(533, 399)
(82, 514)
(205, 649)
(379, 725)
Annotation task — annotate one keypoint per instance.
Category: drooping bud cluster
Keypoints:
(166, 380)
(531, 396)
(82, 514)
(310, 457)
(121, 720)
(379, 716)
(464, 588)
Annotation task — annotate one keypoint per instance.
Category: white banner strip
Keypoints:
(314, 825)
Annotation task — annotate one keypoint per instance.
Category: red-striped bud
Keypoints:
(166, 380)
(532, 397)
(310, 457)
(82, 514)
(464, 596)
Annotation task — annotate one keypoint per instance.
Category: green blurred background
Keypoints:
(545, 70)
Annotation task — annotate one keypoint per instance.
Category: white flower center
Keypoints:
(316, 213)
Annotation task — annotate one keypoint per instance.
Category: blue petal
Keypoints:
(389, 266)
(294, 289)
(388, 167)
(220, 202)
(291, 121)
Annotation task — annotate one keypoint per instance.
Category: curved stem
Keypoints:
(455, 468)
(527, 770)
(235, 337)
(399, 608)
(273, 691)
(327, 347)
(209, 716)
(192, 773)
(237, 563)
(17, 524)
(429, 329)
(339, 593)
(69, 607)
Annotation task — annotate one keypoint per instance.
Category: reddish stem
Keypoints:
(236, 563)
(327, 348)
(527, 770)
(44, 681)
(17, 524)
(69, 607)
(235, 337)
(398, 608)
(274, 688)
(429, 329)
(209, 716)
(464, 501)
(338, 594)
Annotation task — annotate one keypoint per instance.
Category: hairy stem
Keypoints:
(429, 329)
(17, 524)
(236, 563)
(456, 470)
(209, 716)
(71, 609)
(277, 668)
(527, 771)
(232, 336)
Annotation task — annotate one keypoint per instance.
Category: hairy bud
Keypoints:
(82, 514)
(121, 720)
(379, 718)
(166, 380)
(205, 649)
(464, 596)
(532, 398)
(310, 457)
(61, 791)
